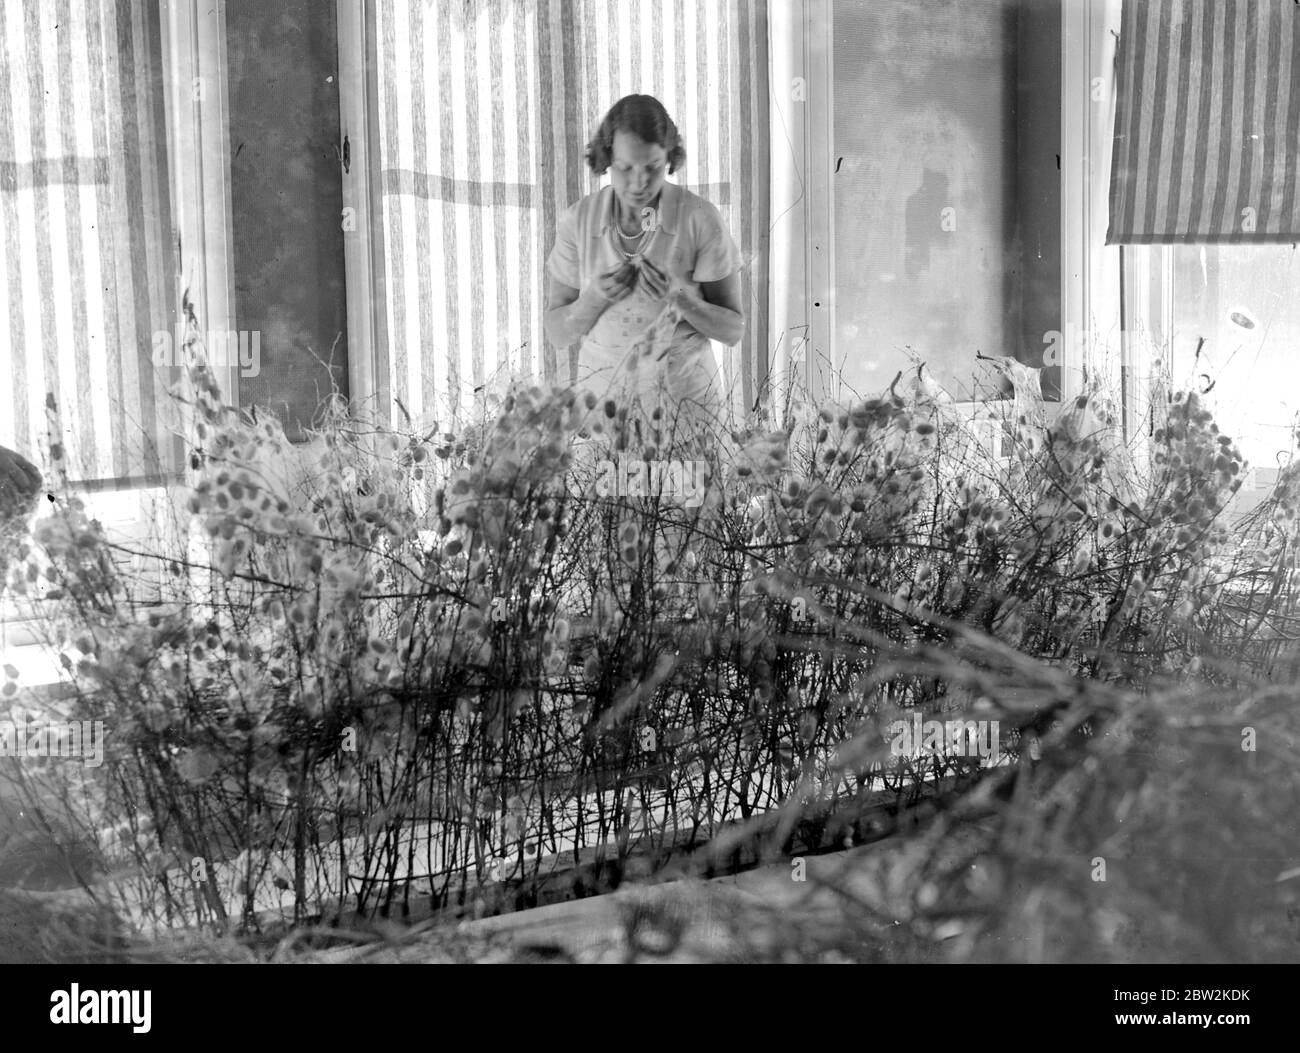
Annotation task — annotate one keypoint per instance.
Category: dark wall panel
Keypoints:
(287, 201)
(1038, 180)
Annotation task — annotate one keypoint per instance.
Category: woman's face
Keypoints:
(637, 171)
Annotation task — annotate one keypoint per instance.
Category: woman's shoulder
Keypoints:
(700, 219)
(589, 208)
(701, 213)
(689, 198)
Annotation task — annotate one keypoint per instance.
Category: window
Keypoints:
(932, 173)
(150, 150)
(1204, 211)
(85, 225)
(473, 160)
(1223, 322)
(1241, 301)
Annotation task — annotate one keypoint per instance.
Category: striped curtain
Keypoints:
(1207, 122)
(84, 226)
(486, 107)
(459, 96)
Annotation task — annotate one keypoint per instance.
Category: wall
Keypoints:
(287, 201)
(946, 124)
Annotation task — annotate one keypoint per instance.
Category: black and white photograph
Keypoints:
(620, 482)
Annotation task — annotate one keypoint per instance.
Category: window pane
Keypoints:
(1242, 300)
(947, 187)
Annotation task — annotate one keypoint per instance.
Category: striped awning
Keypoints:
(1206, 122)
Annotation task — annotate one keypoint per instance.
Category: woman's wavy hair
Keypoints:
(643, 116)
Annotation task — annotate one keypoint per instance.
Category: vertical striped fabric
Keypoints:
(84, 226)
(486, 108)
(1206, 122)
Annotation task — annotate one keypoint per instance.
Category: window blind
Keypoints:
(84, 223)
(1207, 122)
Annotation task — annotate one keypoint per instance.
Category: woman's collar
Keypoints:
(670, 201)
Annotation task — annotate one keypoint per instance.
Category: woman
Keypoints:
(644, 273)
(20, 487)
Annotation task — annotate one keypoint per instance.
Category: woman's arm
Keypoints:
(570, 314)
(20, 483)
(716, 310)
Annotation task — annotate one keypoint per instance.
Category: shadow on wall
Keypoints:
(929, 201)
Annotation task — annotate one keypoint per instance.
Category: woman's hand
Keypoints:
(614, 284)
(714, 310)
(674, 285)
(570, 313)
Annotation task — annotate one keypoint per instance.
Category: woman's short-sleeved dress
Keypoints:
(614, 357)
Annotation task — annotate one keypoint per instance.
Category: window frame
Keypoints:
(1091, 278)
(1090, 270)
(197, 101)
(801, 200)
(363, 243)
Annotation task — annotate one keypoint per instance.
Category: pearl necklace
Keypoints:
(641, 241)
